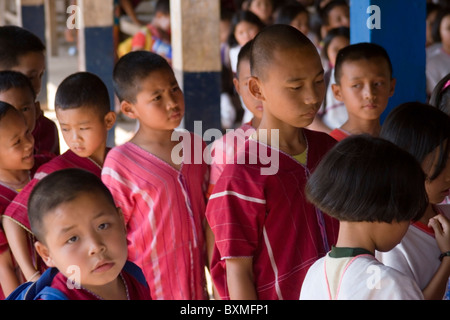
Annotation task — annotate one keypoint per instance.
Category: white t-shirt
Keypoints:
(417, 255)
(356, 278)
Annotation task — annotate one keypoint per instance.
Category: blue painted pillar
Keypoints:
(398, 26)
(33, 19)
(196, 59)
(96, 43)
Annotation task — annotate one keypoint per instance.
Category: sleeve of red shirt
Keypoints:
(236, 212)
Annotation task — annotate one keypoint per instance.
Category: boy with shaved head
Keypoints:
(266, 233)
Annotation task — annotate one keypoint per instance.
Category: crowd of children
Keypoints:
(302, 200)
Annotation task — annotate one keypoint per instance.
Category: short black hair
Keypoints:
(272, 39)
(239, 16)
(131, 69)
(360, 51)
(325, 11)
(83, 89)
(5, 108)
(163, 6)
(16, 42)
(419, 129)
(440, 97)
(14, 79)
(61, 187)
(333, 33)
(365, 178)
(286, 13)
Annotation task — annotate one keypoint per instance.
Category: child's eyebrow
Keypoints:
(14, 137)
(158, 91)
(304, 78)
(79, 123)
(66, 229)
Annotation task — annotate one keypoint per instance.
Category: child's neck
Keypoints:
(355, 235)
(255, 122)
(15, 179)
(371, 127)
(116, 290)
(430, 212)
(99, 156)
(286, 138)
(146, 136)
(446, 48)
(158, 143)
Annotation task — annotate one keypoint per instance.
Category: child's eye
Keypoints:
(103, 226)
(83, 129)
(72, 239)
(158, 98)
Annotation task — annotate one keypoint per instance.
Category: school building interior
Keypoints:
(397, 25)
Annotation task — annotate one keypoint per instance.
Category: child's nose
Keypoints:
(30, 141)
(369, 93)
(96, 245)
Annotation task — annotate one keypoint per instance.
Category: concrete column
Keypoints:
(95, 36)
(398, 26)
(196, 59)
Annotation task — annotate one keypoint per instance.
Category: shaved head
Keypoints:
(272, 39)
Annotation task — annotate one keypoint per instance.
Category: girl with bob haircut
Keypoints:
(424, 132)
(361, 182)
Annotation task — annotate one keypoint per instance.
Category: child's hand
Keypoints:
(441, 227)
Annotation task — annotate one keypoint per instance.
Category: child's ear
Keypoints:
(110, 119)
(43, 251)
(255, 88)
(337, 92)
(128, 109)
(392, 90)
(122, 219)
(236, 85)
(37, 105)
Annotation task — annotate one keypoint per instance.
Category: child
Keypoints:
(22, 51)
(364, 83)
(264, 9)
(374, 211)
(224, 149)
(438, 57)
(440, 97)
(83, 110)
(162, 197)
(296, 15)
(245, 25)
(17, 90)
(333, 113)
(418, 254)
(155, 36)
(257, 211)
(334, 14)
(80, 232)
(16, 165)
